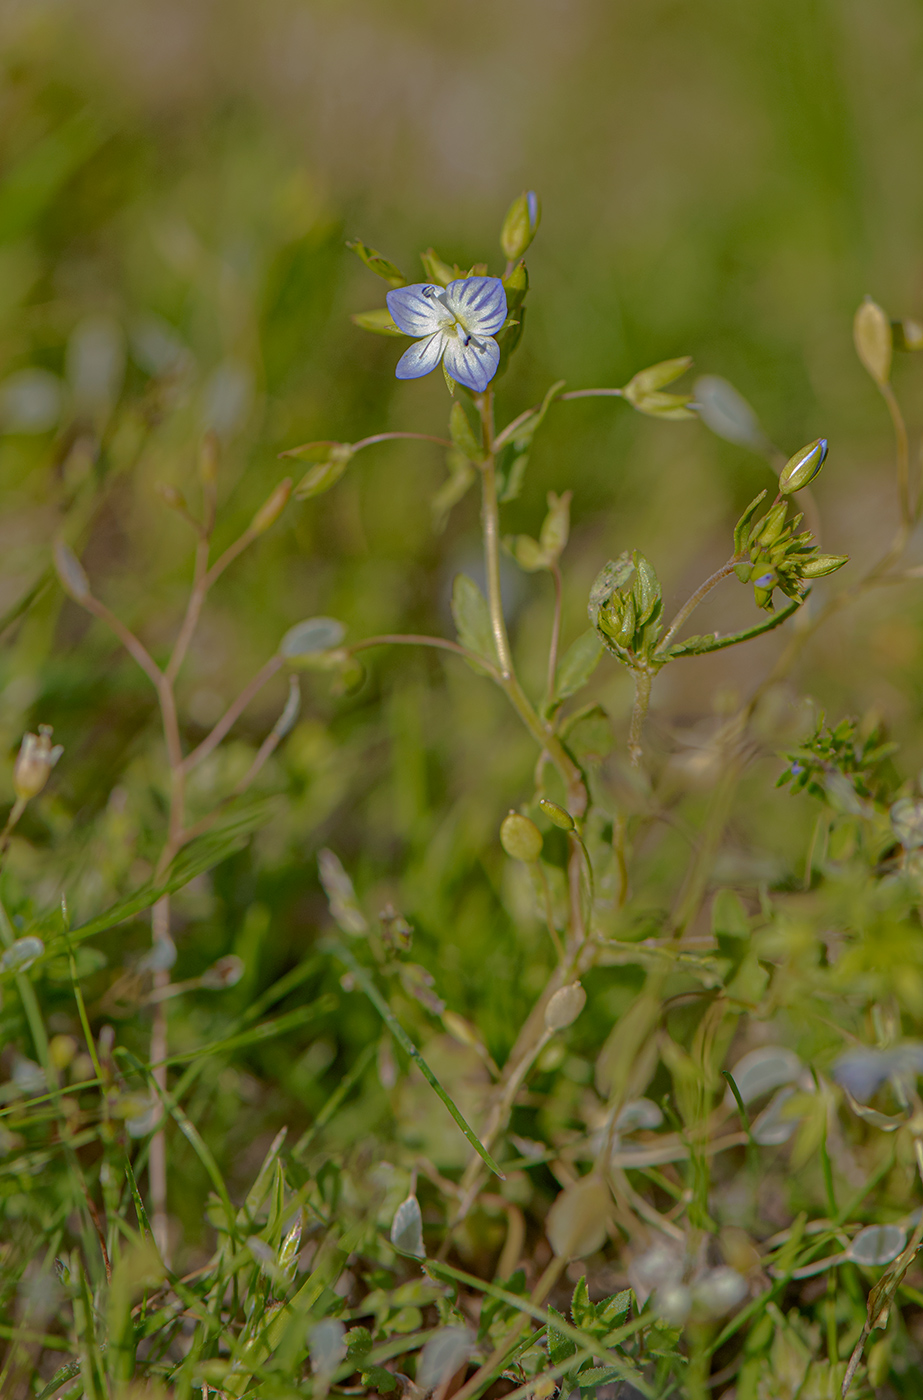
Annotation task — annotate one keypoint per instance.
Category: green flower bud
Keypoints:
(822, 564)
(556, 814)
(803, 467)
(171, 496)
(520, 225)
(520, 838)
(769, 529)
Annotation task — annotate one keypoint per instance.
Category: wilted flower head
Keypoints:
(34, 762)
(455, 324)
(862, 1071)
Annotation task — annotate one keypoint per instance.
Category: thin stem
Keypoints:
(490, 524)
(193, 610)
(391, 437)
(643, 680)
(693, 602)
(418, 640)
(592, 394)
(555, 629)
(129, 641)
(549, 911)
(903, 454)
(157, 1160)
(232, 713)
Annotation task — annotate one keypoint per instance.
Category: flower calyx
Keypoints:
(773, 554)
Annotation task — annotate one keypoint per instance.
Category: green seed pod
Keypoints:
(822, 564)
(803, 467)
(272, 508)
(873, 342)
(564, 1007)
(520, 838)
(556, 814)
(520, 225)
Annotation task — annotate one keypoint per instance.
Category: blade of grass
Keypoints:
(403, 1039)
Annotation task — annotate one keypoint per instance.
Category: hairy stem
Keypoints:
(696, 598)
(643, 678)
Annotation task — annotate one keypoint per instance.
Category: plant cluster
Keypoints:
(596, 1201)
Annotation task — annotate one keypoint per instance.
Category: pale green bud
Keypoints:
(437, 270)
(822, 564)
(873, 342)
(556, 814)
(556, 525)
(520, 838)
(577, 1223)
(802, 468)
(379, 322)
(520, 225)
(376, 263)
(564, 1007)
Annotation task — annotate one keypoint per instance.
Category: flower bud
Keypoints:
(270, 511)
(70, 572)
(34, 762)
(556, 814)
(822, 564)
(520, 225)
(226, 972)
(520, 838)
(873, 342)
(564, 1007)
(803, 467)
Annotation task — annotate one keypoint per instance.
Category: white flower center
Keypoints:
(451, 323)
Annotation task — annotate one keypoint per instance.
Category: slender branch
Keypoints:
(903, 454)
(490, 524)
(415, 639)
(390, 437)
(129, 641)
(555, 629)
(193, 611)
(693, 602)
(233, 713)
(592, 394)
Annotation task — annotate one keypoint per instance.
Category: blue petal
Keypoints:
(474, 364)
(421, 357)
(413, 312)
(480, 301)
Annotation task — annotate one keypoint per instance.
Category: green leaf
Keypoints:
(34, 180)
(376, 263)
(556, 525)
(462, 476)
(403, 1039)
(515, 441)
(462, 434)
(742, 528)
(648, 381)
(578, 664)
(581, 1309)
(527, 552)
(379, 322)
(560, 1346)
(588, 734)
(437, 270)
(472, 618)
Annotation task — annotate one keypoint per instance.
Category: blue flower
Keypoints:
(456, 324)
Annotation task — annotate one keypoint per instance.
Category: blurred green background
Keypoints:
(178, 182)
